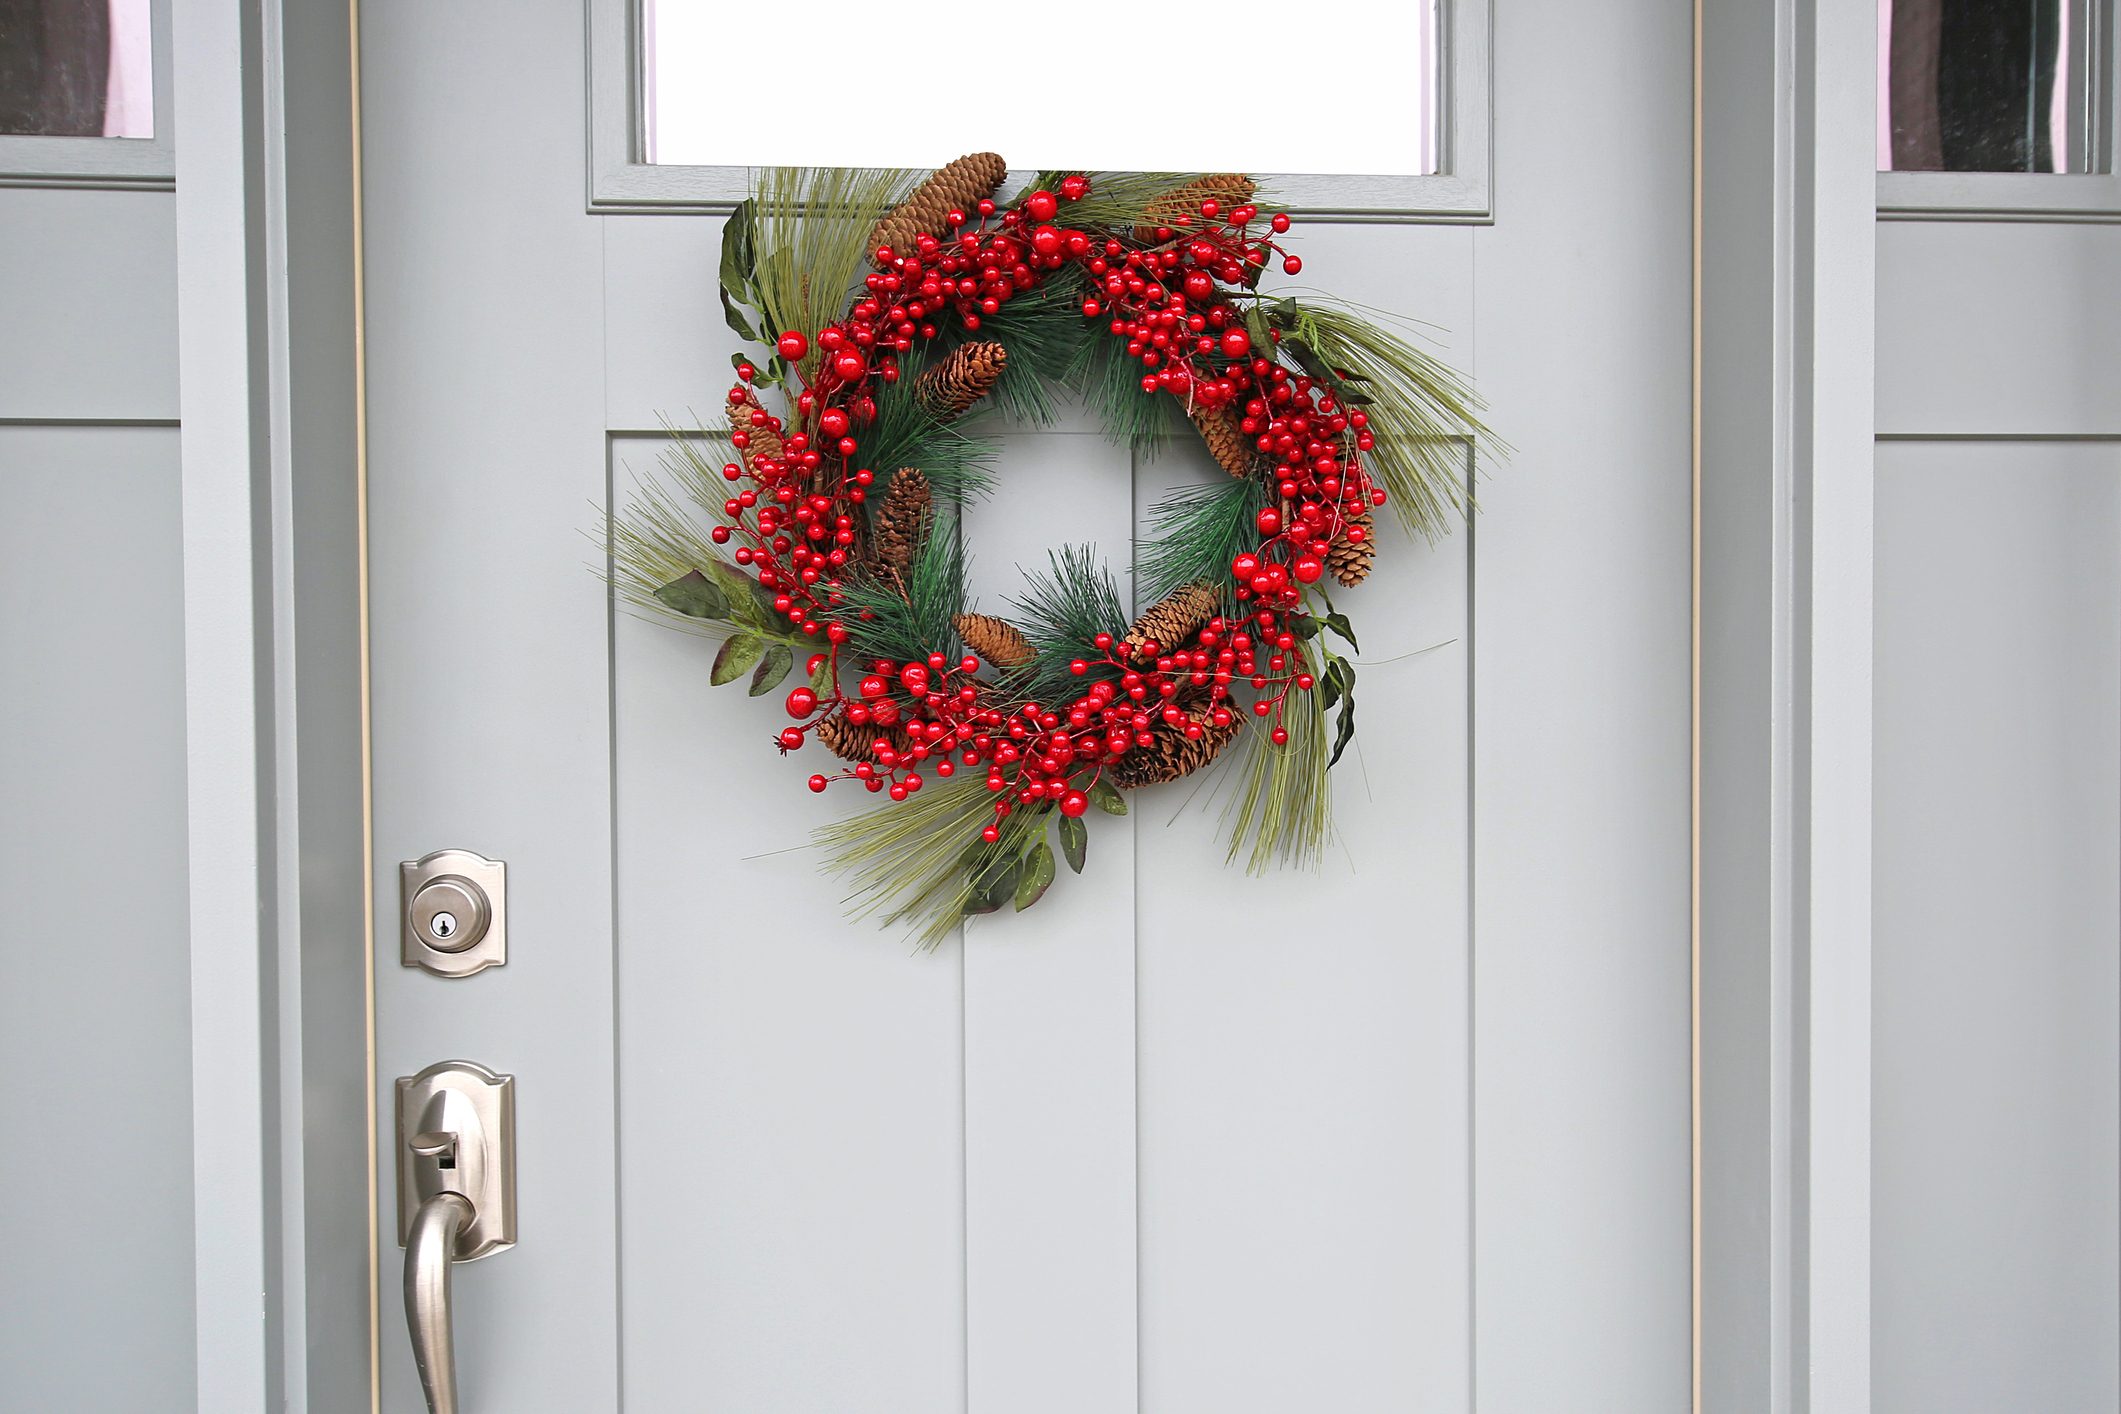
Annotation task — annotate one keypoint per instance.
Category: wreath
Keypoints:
(893, 311)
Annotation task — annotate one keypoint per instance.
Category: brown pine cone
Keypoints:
(1227, 443)
(850, 742)
(958, 186)
(996, 640)
(1172, 754)
(950, 388)
(902, 520)
(1168, 625)
(1350, 560)
(765, 442)
(1229, 188)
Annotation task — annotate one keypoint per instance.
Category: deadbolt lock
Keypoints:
(454, 905)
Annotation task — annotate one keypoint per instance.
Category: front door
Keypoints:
(1408, 1131)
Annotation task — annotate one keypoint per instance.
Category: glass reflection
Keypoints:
(77, 68)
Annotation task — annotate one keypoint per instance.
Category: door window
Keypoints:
(1399, 127)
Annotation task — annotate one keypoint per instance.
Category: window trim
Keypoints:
(2031, 196)
(619, 181)
(112, 163)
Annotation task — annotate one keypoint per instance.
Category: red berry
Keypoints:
(1073, 804)
(850, 366)
(1308, 568)
(791, 738)
(793, 346)
(1294, 265)
(1075, 186)
(818, 784)
(1269, 521)
(802, 702)
(1041, 206)
(1236, 343)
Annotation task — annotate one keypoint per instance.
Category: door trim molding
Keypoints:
(1785, 419)
(272, 648)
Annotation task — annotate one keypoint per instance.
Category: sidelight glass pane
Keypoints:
(1987, 86)
(896, 87)
(77, 68)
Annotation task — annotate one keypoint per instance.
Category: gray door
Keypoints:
(1138, 1148)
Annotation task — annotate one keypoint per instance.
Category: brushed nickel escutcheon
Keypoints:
(456, 1201)
(453, 907)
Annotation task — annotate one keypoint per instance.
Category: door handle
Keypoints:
(456, 1201)
(430, 1252)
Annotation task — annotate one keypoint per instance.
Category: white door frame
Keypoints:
(275, 697)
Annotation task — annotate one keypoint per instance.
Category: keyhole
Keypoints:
(444, 925)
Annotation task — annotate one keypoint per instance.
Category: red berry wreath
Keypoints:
(907, 306)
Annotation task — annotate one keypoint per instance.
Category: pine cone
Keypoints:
(765, 442)
(851, 742)
(959, 186)
(996, 640)
(950, 388)
(1172, 754)
(902, 520)
(1350, 560)
(1168, 625)
(1227, 443)
(1229, 188)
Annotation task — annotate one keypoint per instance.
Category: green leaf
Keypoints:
(1339, 624)
(1036, 878)
(1344, 731)
(737, 655)
(739, 254)
(992, 886)
(1262, 337)
(1106, 798)
(821, 681)
(733, 315)
(1305, 627)
(772, 668)
(1330, 685)
(695, 596)
(1075, 841)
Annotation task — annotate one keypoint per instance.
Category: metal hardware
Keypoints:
(454, 906)
(456, 1200)
(427, 1302)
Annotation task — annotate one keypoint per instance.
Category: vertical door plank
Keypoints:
(1049, 1030)
(490, 650)
(1997, 1152)
(1582, 749)
(1304, 1048)
(790, 1090)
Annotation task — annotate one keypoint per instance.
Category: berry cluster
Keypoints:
(1170, 294)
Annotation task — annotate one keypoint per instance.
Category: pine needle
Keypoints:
(917, 859)
(1424, 417)
(907, 617)
(1062, 610)
(1285, 809)
(1198, 531)
(812, 237)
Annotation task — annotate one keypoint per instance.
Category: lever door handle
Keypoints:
(456, 1201)
(430, 1251)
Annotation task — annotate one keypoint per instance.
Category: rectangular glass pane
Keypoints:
(1044, 87)
(1986, 86)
